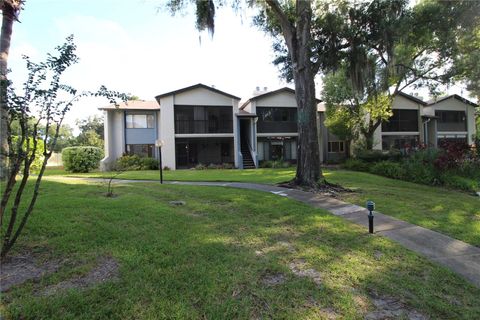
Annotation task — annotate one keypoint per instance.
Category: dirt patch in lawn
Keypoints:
(326, 189)
(391, 308)
(273, 279)
(105, 270)
(21, 268)
(300, 268)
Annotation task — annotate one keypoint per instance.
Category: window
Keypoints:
(402, 120)
(399, 142)
(336, 146)
(140, 121)
(277, 114)
(451, 120)
(142, 150)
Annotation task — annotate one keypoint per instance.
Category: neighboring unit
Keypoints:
(415, 122)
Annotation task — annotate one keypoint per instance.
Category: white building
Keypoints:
(201, 124)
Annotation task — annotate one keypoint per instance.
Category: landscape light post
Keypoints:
(159, 143)
(370, 208)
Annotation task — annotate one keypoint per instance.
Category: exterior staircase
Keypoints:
(247, 157)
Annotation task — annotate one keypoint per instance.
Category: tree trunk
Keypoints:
(308, 157)
(298, 41)
(8, 16)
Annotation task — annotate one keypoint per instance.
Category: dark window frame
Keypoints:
(129, 149)
(340, 146)
(402, 120)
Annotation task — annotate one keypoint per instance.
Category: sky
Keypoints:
(137, 47)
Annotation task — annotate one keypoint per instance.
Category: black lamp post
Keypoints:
(370, 208)
(159, 143)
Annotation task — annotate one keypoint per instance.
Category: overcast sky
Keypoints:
(136, 47)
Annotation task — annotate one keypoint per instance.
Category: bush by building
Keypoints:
(81, 159)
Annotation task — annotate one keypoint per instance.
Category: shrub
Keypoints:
(285, 164)
(81, 159)
(372, 155)
(134, 162)
(388, 169)
(462, 183)
(214, 166)
(228, 165)
(148, 163)
(266, 164)
(201, 166)
(452, 155)
(129, 162)
(356, 165)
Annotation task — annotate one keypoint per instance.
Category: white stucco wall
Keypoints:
(114, 137)
(193, 97)
(280, 99)
(167, 131)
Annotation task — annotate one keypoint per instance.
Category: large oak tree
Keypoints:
(293, 21)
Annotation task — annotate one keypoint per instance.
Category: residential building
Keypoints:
(201, 124)
(415, 122)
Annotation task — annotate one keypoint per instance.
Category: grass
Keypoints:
(200, 260)
(450, 212)
(264, 176)
(453, 213)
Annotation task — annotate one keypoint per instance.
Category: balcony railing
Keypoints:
(276, 126)
(203, 126)
(452, 126)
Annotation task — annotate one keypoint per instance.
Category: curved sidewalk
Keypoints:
(460, 257)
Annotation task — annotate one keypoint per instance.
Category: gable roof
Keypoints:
(271, 93)
(413, 98)
(133, 105)
(199, 85)
(454, 96)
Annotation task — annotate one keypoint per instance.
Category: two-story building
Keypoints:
(415, 122)
(201, 124)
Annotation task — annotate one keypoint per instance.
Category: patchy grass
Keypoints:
(225, 254)
(454, 213)
(451, 212)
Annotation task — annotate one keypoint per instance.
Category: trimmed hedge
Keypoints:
(81, 159)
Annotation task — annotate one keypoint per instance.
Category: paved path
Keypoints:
(456, 255)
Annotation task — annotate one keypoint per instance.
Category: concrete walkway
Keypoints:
(458, 256)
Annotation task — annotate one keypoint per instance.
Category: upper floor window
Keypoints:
(402, 121)
(277, 114)
(451, 120)
(141, 121)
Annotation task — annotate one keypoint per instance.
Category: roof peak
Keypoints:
(195, 86)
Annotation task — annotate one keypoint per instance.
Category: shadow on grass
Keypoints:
(175, 264)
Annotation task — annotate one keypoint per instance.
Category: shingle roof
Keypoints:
(133, 105)
(199, 85)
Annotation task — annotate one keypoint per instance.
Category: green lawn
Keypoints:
(212, 259)
(265, 176)
(453, 213)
